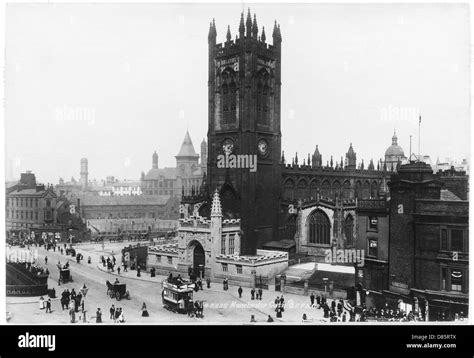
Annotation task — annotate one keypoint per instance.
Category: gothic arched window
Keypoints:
(349, 230)
(229, 97)
(358, 191)
(313, 189)
(336, 186)
(319, 228)
(346, 193)
(263, 97)
(366, 190)
(301, 189)
(326, 189)
(374, 193)
(289, 189)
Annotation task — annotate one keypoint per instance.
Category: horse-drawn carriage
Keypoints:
(117, 290)
(65, 275)
(178, 297)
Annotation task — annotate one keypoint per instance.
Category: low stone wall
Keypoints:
(27, 290)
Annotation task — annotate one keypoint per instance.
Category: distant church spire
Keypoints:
(263, 34)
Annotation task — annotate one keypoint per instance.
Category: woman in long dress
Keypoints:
(98, 316)
(41, 303)
(144, 310)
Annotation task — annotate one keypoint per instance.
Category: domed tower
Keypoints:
(394, 154)
(351, 158)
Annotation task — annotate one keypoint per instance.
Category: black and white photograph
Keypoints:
(240, 163)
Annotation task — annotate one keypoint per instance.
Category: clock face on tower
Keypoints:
(228, 146)
(262, 147)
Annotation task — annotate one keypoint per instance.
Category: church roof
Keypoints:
(187, 148)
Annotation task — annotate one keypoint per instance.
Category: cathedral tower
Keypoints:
(244, 121)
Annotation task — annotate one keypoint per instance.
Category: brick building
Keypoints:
(428, 243)
(123, 207)
(373, 238)
(29, 205)
(184, 179)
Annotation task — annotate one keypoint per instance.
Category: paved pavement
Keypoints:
(220, 307)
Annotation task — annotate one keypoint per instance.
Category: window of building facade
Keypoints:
(453, 279)
(453, 239)
(225, 268)
(158, 258)
(231, 245)
(457, 239)
(289, 189)
(319, 228)
(170, 260)
(223, 245)
(373, 223)
(239, 269)
(372, 247)
(349, 229)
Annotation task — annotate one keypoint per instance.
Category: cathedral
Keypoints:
(307, 203)
(244, 87)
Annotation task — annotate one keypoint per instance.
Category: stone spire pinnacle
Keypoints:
(229, 36)
(242, 25)
(216, 209)
(263, 34)
(248, 24)
(254, 26)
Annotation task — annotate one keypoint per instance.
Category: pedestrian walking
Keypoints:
(279, 311)
(117, 314)
(48, 306)
(240, 291)
(208, 281)
(89, 260)
(144, 310)
(318, 301)
(252, 293)
(121, 317)
(124, 267)
(138, 271)
(41, 303)
(98, 316)
(260, 292)
(112, 312)
(72, 315)
(46, 260)
(118, 270)
(311, 298)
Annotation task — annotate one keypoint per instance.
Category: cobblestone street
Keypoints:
(220, 307)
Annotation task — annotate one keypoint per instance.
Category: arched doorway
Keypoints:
(199, 259)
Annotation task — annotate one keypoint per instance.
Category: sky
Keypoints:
(115, 82)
